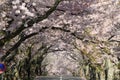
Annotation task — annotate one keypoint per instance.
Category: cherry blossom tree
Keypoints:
(86, 31)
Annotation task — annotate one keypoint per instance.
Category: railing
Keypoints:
(57, 78)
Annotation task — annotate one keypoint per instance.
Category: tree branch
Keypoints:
(16, 45)
(30, 23)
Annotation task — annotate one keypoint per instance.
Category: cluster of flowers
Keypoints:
(23, 8)
(20, 9)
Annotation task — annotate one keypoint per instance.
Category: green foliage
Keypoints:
(28, 67)
(97, 62)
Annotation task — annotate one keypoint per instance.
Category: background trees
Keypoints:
(81, 35)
